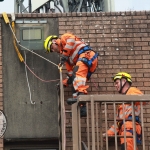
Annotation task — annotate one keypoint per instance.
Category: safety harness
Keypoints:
(87, 61)
(138, 136)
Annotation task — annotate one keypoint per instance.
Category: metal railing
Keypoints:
(101, 113)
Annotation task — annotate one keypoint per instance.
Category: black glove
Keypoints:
(62, 61)
(70, 79)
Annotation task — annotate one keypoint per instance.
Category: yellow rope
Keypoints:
(15, 45)
(14, 40)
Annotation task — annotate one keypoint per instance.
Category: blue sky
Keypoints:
(120, 5)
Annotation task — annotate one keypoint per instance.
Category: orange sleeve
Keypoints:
(68, 42)
(69, 67)
(135, 91)
(111, 130)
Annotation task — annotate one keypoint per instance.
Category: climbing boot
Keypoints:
(73, 100)
(83, 112)
(82, 105)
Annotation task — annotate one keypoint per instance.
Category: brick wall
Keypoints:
(122, 40)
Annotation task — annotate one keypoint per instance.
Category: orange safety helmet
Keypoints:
(48, 42)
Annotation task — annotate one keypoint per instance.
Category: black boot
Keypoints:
(83, 112)
(71, 101)
(82, 105)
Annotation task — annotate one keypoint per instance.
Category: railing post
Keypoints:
(75, 129)
(100, 124)
(115, 125)
(134, 125)
(142, 125)
(63, 115)
(93, 123)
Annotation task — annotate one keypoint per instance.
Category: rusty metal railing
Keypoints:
(61, 116)
(100, 111)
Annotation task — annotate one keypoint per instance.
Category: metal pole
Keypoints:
(92, 122)
(30, 6)
(106, 125)
(134, 125)
(75, 126)
(63, 117)
(115, 125)
(142, 125)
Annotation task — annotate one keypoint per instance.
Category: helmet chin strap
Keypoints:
(122, 86)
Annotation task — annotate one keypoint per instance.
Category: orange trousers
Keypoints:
(129, 141)
(81, 70)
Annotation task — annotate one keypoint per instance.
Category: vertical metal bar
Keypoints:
(30, 6)
(125, 146)
(100, 122)
(93, 123)
(142, 125)
(133, 123)
(59, 122)
(97, 125)
(75, 132)
(63, 117)
(88, 128)
(79, 7)
(79, 125)
(115, 125)
(106, 126)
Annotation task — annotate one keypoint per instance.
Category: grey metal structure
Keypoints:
(60, 6)
(19, 7)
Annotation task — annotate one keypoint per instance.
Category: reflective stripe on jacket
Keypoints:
(69, 46)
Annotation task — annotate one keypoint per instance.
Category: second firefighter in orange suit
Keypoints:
(122, 82)
(80, 60)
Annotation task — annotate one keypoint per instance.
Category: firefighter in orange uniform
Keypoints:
(122, 82)
(80, 61)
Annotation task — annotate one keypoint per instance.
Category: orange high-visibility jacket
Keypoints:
(69, 46)
(127, 111)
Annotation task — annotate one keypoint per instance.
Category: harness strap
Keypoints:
(86, 48)
(138, 136)
(137, 119)
(87, 61)
(93, 58)
(89, 64)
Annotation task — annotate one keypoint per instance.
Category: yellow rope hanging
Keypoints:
(15, 45)
(14, 41)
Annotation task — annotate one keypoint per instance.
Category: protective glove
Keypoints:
(68, 80)
(62, 61)
(65, 82)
